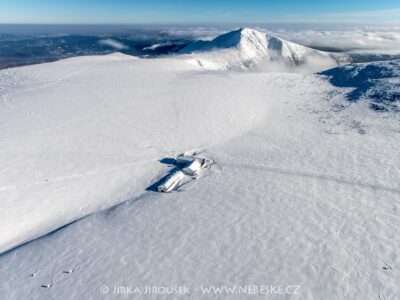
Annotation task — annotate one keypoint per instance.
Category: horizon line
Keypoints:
(204, 22)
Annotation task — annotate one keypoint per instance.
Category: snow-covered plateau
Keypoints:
(303, 193)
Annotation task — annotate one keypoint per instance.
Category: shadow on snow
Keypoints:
(377, 82)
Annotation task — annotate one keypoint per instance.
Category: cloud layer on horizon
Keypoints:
(345, 40)
(382, 38)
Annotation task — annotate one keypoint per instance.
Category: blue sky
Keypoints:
(208, 11)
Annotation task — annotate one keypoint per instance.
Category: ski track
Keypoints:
(315, 176)
(73, 176)
(44, 85)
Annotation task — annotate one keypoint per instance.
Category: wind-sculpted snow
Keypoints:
(84, 120)
(377, 82)
(286, 202)
(250, 49)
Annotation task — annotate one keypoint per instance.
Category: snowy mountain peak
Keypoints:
(246, 47)
(242, 37)
(232, 39)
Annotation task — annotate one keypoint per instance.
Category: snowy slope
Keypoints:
(249, 48)
(99, 141)
(286, 203)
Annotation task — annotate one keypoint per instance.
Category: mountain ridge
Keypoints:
(246, 47)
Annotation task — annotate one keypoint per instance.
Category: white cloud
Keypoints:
(113, 43)
(195, 32)
(383, 38)
(347, 40)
